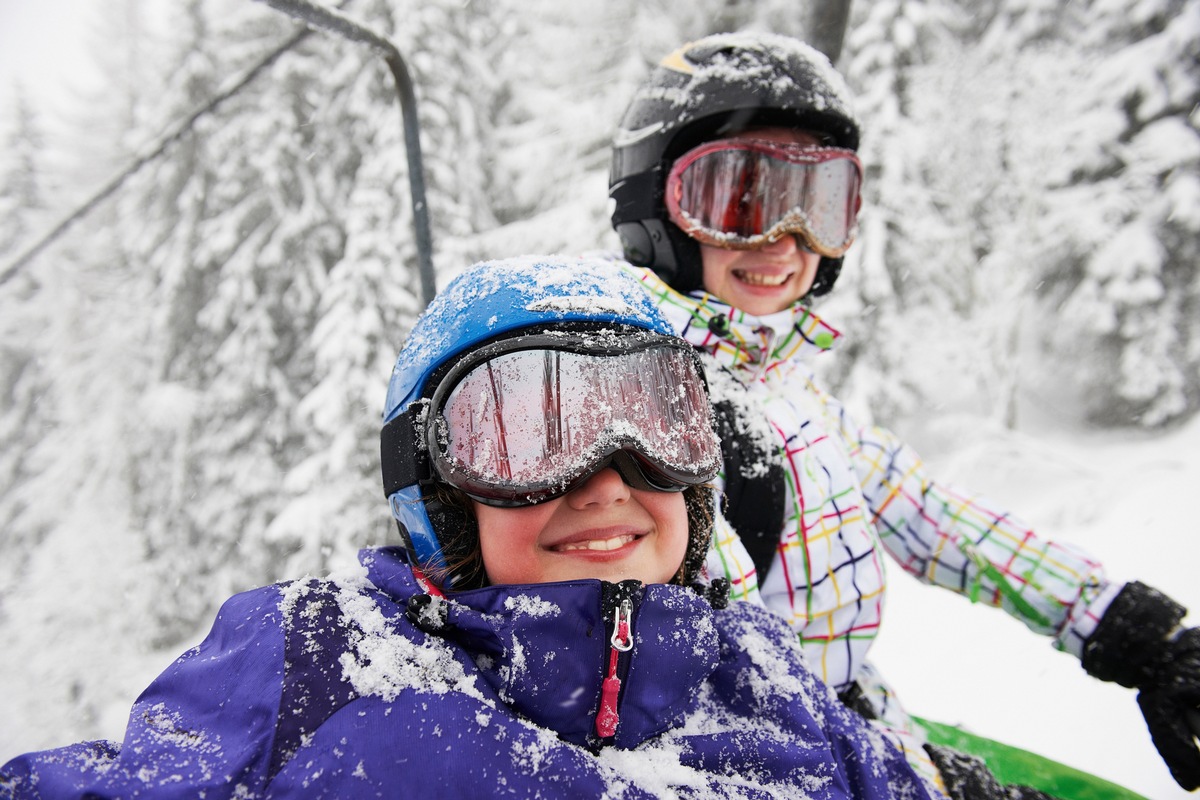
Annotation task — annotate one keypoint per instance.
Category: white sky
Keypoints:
(40, 46)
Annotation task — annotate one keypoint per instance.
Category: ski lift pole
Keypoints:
(330, 20)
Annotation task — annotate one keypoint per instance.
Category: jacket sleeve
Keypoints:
(966, 543)
(204, 727)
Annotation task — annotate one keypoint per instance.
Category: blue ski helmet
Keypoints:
(489, 303)
(709, 89)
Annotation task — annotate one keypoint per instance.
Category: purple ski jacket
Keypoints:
(363, 685)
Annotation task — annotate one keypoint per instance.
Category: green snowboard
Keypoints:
(1015, 766)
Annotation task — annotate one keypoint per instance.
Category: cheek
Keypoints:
(715, 263)
(508, 540)
(670, 518)
(811, 262)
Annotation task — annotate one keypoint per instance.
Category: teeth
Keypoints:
(598, 544)
(758, 279)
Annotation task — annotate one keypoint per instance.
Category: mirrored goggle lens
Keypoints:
(741, 194)
(526, 426)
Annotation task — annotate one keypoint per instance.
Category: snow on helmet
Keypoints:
(713, 88)
(506, 307)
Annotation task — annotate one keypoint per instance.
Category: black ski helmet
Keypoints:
(712, 88)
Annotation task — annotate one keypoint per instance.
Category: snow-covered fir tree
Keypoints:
(22, 200)
(22, 382)
(896, 295)
(1125, 201)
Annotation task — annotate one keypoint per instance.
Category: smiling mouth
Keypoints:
(759, 279)
(597, 545)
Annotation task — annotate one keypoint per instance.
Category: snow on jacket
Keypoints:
(349, 687)
(855, 492)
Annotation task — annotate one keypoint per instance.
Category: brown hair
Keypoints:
(451, 513)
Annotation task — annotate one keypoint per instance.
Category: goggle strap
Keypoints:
(397, 442)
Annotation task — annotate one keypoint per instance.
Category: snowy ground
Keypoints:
(1123, 497)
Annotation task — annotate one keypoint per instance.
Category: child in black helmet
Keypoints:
(546, 449)
(736, 184)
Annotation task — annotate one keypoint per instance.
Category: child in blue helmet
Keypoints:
(543, 631)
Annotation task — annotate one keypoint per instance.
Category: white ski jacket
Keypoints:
(855, 492)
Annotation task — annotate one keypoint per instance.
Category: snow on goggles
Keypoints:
(529, 419)
(740, 194)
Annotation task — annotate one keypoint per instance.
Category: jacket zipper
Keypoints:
(620, 644)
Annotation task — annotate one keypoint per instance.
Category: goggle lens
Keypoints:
(528, 425)
(741, 194)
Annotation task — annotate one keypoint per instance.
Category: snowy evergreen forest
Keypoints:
(191, 376)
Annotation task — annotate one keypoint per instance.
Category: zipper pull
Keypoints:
(621, 642)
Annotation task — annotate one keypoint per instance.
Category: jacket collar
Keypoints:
(545, 648)
(734, 338)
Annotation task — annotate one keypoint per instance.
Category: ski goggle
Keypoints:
(528, 419)
(740, 194)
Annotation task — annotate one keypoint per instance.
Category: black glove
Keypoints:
(1136, 644)
(967, 777)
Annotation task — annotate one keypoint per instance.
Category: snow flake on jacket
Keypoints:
(365, 686)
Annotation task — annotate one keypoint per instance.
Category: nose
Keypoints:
(606, 487)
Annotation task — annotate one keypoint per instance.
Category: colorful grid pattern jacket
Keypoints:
(856, 492)
(351, 688)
